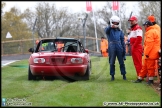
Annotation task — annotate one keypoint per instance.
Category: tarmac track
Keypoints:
(5, 60)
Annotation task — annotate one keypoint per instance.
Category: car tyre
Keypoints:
(87, 74)
(30, 75)
(90, 67)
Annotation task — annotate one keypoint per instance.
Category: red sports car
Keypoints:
(59, 57)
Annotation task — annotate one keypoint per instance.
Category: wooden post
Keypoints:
(93, 45)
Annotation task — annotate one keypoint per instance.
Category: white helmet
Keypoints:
(114, 19)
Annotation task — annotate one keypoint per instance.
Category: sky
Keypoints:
(73, 6)
(78, 6)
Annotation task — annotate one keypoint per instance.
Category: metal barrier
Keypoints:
(15, 47)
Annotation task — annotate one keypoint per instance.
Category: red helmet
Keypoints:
(133, 18)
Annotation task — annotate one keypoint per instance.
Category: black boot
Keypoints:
(124, 77)
(138, 81)
(150, 82)
(112, 78)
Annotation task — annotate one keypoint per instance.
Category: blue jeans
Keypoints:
(116, 50)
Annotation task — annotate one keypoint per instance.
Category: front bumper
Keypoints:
(58, 70)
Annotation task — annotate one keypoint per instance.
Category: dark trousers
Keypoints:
(116, 50)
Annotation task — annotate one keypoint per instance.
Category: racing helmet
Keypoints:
(115, 19)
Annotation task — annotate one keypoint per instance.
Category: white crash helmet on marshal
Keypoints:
(114, 19)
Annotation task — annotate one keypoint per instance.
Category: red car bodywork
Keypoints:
(57, 63)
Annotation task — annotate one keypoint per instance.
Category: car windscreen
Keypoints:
(69, 44)
(46, 45)
(64, 44)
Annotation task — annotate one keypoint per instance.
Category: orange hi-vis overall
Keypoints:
(104, 47)
(151, 48)
(59, 46)
(157, 27)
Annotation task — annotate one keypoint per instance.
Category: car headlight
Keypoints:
(39, 60)
(76, 60)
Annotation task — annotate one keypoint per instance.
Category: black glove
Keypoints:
(147, 56)
(124, 55)
(101, 52)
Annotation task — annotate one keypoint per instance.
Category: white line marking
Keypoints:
(8, 63)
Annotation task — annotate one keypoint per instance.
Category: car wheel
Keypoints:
(90, 67)
(30, 75)
(87, 74)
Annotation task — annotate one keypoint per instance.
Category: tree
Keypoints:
(150, 8)
(12, 22)
(29, 17)
(51, 21)
(3, 4)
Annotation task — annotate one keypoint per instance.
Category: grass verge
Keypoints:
(98, 91)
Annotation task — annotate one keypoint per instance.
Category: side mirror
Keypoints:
(31, 50)
(86, 50)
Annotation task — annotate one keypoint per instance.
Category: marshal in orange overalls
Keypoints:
(157, 27)
(59, 46)
(41, 47)
(151, 48)
(104, 47)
